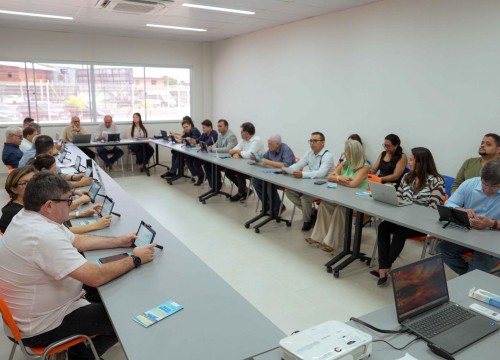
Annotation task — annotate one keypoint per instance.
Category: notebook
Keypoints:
(421, 296)
(81, 138)
(387, 194)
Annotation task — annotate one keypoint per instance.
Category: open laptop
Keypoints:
(421, 295)
(387, 194)
(81, 138)
(112, 137)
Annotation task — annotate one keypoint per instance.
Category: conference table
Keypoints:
(216, 322)
(416, 217)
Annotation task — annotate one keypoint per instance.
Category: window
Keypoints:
(53, 92)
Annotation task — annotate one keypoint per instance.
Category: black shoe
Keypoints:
(236, 197)
(168, 174)
(382, 281)
(244, 196)
(201, 180)
(306, 227)
(375, 273)
(164, 175)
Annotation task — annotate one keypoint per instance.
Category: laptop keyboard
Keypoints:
(440, 321)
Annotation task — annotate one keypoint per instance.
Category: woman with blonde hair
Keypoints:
(330, 224)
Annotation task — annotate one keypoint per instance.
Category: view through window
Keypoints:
(52, 93)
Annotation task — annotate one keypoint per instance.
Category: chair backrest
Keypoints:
(448, 181)
(9, 320)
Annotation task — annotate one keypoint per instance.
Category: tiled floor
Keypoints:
(276, 270)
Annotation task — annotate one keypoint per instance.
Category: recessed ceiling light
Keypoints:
(35, 15)
(219, 9)
(175, 27)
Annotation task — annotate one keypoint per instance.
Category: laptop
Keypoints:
(421, 295)
(81, 138)
(387, 194)
(112, 137)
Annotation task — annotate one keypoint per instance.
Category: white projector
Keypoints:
(331, 340)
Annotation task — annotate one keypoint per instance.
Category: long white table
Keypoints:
(216, 322)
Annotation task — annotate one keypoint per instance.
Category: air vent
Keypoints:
(140, 7)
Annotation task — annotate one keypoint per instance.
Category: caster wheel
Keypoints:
(288, 224)
(204, 202)
(329, 269)
(169, 182)
(336, 274)
(247, 226)
(257, 231)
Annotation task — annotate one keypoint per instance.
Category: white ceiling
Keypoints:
(90, 20)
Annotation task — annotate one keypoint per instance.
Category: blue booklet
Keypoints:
(158, 313)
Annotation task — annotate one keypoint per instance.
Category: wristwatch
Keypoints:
(137, 260)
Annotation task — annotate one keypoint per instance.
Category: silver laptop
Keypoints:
(423, 307)
(387, 194)
(81, 138)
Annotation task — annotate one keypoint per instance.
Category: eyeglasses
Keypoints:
(69, 201)
(311, 141)
(488, 186)
(18, 136)
(385, 146)
(22, 183)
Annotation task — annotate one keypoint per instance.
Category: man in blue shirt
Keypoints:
(480, 197)
(209, 137)
(279, 155)
(11, 153)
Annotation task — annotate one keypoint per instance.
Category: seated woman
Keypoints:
(424, 186)
(15, 186)
(48, 163)
(329, 229)
(143, 152)
(391, 163)
(351, 137)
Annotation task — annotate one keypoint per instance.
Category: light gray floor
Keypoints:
(276, 270)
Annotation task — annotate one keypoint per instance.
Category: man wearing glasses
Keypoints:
(43, 274)
(11, 153)
(480, 197)
(319, 162)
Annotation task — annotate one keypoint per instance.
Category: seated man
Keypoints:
(488, 150)
(320, 162)
(11, 153)
(43, 274)
(278, 155)
(29, 133)
(100, 134)
(480, 197)
(209, 137)
(248, 145)
(76, 128)
(225, 142)
(189, 130)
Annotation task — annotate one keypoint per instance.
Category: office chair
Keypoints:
(40, 353)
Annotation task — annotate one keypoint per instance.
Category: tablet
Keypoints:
(62, 156)
(107, 206)
(78, 163)
(94, 190)
(145, 235)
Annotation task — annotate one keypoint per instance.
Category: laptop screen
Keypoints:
(419, 286)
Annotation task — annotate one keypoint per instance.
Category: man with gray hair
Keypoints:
(480, 197)
(48, 285)
(278, 155)
(11, 153)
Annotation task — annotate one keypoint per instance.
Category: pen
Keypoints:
(159, 247)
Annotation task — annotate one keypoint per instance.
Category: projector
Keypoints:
(331, 340)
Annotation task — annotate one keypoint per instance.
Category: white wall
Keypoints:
(427, 70)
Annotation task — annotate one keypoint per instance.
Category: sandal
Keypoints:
(327, 249)
(311, 241)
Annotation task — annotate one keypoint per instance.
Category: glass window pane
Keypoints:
(119, 91)
(13, 91)
(167, 93)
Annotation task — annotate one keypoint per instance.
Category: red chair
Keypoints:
(40, 353)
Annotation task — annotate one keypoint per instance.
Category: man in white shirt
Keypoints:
(43, 273)
(320, 162)
(107, 127)
(28, 134)
(249, 145)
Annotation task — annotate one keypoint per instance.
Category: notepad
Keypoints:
(158, 313)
